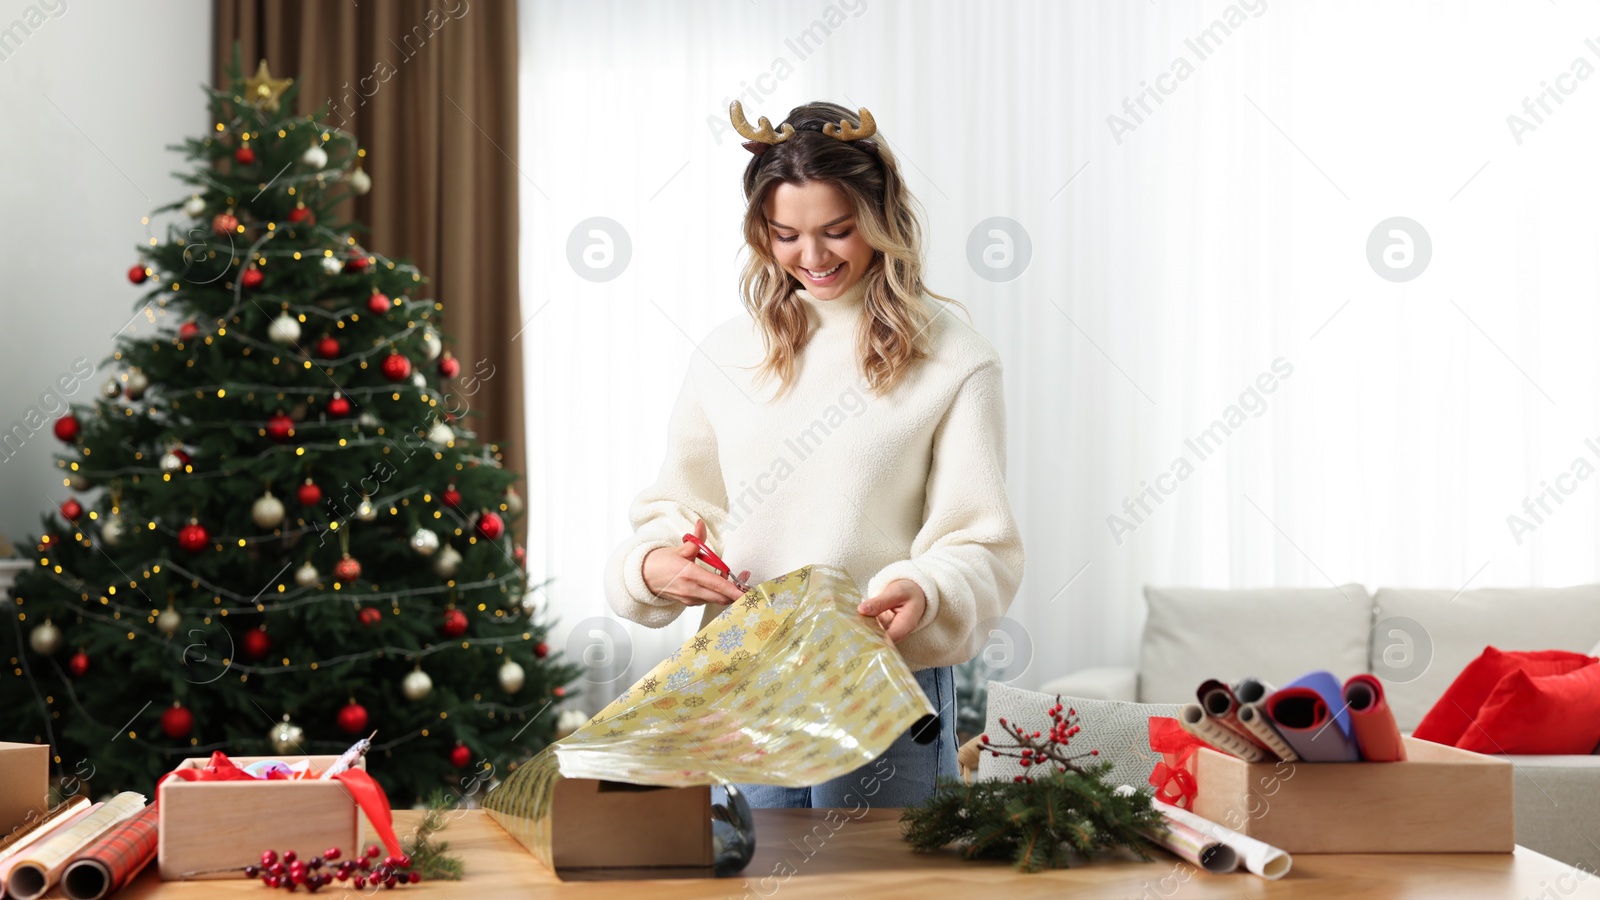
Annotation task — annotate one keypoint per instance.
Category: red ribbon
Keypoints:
(366, 791)
(1173, 781)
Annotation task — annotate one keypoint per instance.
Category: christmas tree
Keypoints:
(282, 536)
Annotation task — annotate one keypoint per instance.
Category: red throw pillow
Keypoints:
(1456, 710)
(1539, 714)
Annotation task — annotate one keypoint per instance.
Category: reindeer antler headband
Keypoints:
(757, 140)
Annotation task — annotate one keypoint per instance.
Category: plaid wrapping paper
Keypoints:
(124, 849)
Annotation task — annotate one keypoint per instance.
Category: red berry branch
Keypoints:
(1042, 748)
(290, 872)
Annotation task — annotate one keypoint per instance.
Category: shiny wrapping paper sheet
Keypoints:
(788, 686)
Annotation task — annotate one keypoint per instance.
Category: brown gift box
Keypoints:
(1439, 800)
(664, 826)
(213, 829)
(24, 784)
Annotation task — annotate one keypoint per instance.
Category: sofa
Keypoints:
(1415, 641)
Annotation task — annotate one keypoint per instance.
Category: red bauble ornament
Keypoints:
(451, 496)
(252, 277)
(520, 554)
(559, 691)
(379, 304)
(541, 649)
(309, 493)
(369, 615)
(347, 569)
(460, 756)
(224, 224)
(72, 509)
(67, 427)
(396, 367)
(193, 537)
(338, 406)
(280, 427)
(449, 366)
(137, 274)
(255, 643)
(78, 664)
(455, 623)
(352, 719)
(177, 722)
(491, 525)
(244, 156)
(188, 331)
(328, 348)
(357, 261)
(299, 214)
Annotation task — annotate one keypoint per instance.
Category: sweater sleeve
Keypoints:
(688, 487)
(967, 557)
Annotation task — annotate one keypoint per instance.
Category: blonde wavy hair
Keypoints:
(896, 314)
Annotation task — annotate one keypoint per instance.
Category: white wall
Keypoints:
(90, 99)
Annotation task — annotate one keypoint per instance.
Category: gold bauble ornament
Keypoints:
(286, 736)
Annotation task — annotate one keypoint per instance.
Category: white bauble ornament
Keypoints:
(137, 384)
(284, 330)
(267, 511)
(569, 721)
(45, 638)
(360, 181)
(307, 575)
(112, 531)
(169, 621)
(171, 462)
(512, 677)
(367, 421)
(416, 685)
(194, 206)
(286, 736)
(431, 345)
(112, 389)
(425, 542)
(366, 512)
(332, 265)
(513, 502)
(448, 562)
(315, 157)
(441, 434)
(419, 380)
(77, 482)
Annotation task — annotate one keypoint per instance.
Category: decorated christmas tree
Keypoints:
(279, 534)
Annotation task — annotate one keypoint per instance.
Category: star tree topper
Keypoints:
(264, 90)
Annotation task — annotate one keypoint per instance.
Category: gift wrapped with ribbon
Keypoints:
(1173, 777)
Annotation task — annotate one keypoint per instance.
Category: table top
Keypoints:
(800, 853)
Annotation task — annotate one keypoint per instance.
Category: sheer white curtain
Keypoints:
(1211, 242)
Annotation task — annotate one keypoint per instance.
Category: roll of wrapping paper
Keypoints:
(1200, 850)
(1251, 690)
(10, 855)
(113, 858)
(1259, 857)
(1372, 720)
(27, 834)
(1252, 716)
(1195, 721)
(1302, 716)
(1332, 693)
(40, 868)
(1220, 705)
(788, 686)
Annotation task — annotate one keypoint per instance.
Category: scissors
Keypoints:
(715, 562)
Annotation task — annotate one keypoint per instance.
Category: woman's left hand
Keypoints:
(898, 608)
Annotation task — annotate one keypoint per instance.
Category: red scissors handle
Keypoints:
(715, 561)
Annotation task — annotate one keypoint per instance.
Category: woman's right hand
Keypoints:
(672, 573)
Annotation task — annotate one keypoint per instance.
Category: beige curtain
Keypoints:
(430, 91)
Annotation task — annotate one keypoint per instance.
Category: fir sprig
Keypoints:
(427, 852)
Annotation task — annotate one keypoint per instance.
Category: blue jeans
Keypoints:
(905, 775)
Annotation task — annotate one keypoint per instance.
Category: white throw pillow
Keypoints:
(1120, 731)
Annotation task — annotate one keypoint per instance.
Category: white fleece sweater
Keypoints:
(909, 485)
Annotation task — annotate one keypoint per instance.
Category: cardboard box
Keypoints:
(24, 784)
(1439, 800)
(213, 829)
(610, 825)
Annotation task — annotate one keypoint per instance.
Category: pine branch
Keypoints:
(427, 852)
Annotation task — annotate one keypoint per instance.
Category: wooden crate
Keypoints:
(610, 825)
(1439, 800)
(213, 829)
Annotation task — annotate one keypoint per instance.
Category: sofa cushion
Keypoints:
(1456, 626)
(1531, 714)
(1277, 635)
(1452, 714)
(1120, 731)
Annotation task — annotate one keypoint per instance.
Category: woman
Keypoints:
(847, 418)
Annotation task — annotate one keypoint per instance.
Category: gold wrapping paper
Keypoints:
(788, 686)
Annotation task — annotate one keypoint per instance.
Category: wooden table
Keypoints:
(865, 858)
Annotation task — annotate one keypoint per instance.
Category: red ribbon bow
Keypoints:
(365, 790)
(1173, 781)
